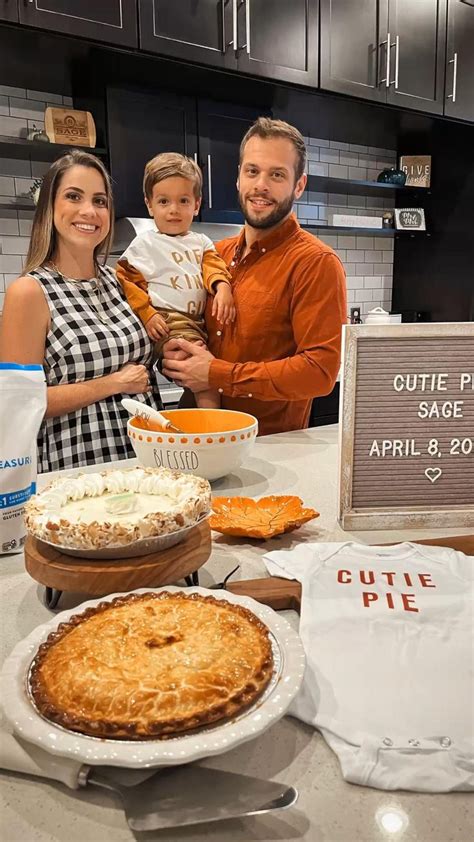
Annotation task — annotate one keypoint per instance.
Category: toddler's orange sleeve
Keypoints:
(135, 288)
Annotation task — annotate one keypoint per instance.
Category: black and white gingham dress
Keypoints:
(79, 346)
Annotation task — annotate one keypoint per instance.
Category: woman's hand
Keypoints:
(223, 305)
(132, 379)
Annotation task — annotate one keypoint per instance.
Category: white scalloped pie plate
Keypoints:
(28, 723)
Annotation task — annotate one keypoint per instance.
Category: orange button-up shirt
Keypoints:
(283, 348)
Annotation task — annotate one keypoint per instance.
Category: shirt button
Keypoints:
(263, 251)
(250, 395)
(221, 391)
(219, 333)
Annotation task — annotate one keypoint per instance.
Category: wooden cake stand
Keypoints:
(59, 572)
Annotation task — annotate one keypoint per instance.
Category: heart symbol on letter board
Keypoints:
(433, 474)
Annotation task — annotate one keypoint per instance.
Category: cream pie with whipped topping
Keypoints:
(151, 665)
(115, 508)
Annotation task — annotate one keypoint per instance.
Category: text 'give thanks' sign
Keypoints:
(407, 426)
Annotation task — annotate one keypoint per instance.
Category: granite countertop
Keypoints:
(328, 809)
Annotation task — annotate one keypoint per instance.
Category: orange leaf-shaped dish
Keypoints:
(264, 518)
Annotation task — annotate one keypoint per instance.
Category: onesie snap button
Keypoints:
(413, 743)
(387, 741)
(445, 742)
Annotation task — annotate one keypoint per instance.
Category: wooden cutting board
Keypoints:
(282, 594)
(54, 569)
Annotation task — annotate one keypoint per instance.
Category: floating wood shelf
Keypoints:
(38, 150)
(356, 187)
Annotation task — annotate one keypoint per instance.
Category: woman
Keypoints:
(69, 314)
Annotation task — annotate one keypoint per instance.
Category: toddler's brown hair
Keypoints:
(169, 165)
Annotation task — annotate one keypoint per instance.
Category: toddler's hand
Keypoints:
(156, 327)
(223, 305)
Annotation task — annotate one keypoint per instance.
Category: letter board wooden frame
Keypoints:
(406, 426)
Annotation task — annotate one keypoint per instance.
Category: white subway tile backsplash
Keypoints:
(338, 199)
(329, 156)
(337, 171)
(329, 239)
(8, 222)
(35, 124)
(26, 109)
(365, 242)
(313, 154)
(383, 268)
(313, 167)
(354, 255)
(43, 96)
(315, 141)
(9, 278)
(373, 282)
(317, 198)
(7, 186)
(312, 211)
(337, 144)
(13, 127)
(11, 263)
(358, 173)
(68, 101)
(2, 282)
(6, 90)
(39, 168)
(350, 268)
(4, 107)
(346, 242)
(15, 166)
(323, 213)
(371, 256)
(14, 245)
(387, 257)
(349, 158)
(23, 186)
(354, 281)
(340, 252)
(25, 227)
(356, 201)
(356, 147)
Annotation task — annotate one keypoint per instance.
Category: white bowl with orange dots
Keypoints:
(214, 442)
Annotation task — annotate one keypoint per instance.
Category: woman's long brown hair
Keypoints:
(43, 233)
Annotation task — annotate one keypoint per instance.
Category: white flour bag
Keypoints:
(22, 407)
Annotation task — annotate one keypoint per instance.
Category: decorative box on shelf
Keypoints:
(353, 221)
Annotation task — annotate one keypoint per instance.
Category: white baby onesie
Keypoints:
(388, 635)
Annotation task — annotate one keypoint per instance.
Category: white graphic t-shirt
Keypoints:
(172, 266)
(388, 635)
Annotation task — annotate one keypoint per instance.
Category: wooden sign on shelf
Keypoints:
(417, 169)
(71, 127)
(406, 448)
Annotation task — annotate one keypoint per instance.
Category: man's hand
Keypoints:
(156, 327)
(192, 372)
(223, 305)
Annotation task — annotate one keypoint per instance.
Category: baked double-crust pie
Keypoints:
(117, 507)
(151, 665)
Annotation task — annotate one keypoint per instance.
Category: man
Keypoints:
(289, 291)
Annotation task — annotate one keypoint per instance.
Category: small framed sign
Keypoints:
(410, 219)
(417, 169)
(406, 446)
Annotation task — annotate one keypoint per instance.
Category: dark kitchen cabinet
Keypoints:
(140, 125)
(385, 50)
(417, 33)
(221, 128)
(113, 22)
(270, 38)
(9, 10)
(278, 40)
(352, 57)
(195, 30)
(459, 92)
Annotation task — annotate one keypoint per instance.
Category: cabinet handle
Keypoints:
(234, 26)
(454, 61)
(209, 180)
(397, 60)
(386, 78)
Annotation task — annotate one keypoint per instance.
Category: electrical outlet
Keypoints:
(355, 316)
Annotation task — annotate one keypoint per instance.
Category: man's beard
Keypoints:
(279, 212)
